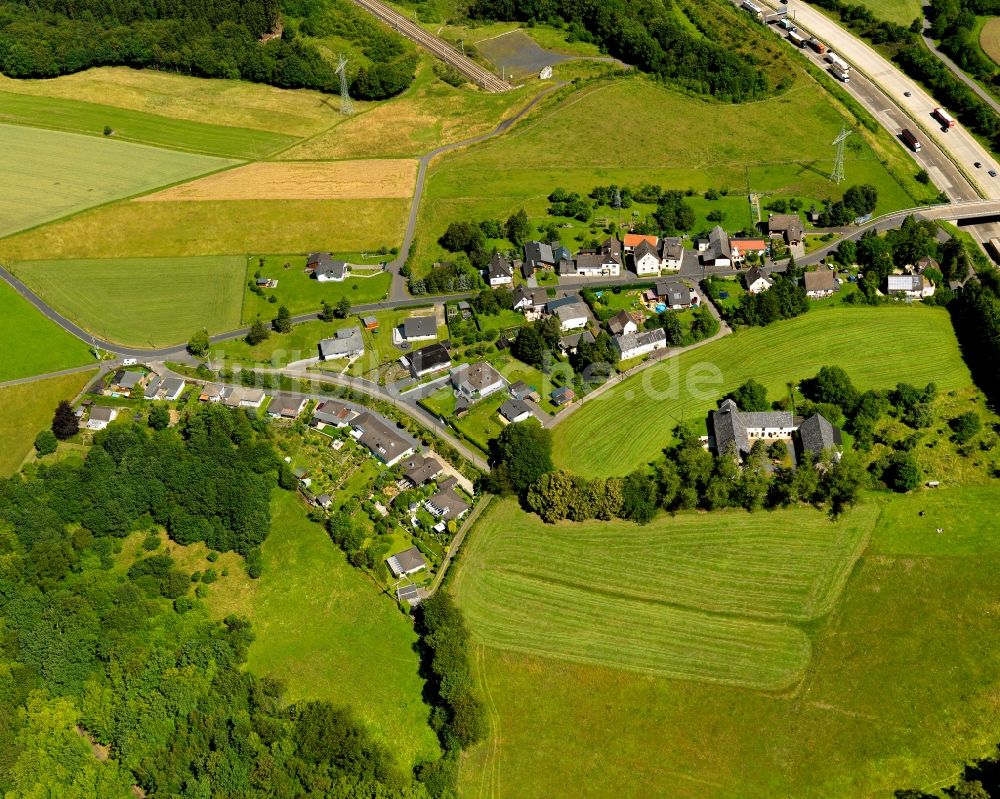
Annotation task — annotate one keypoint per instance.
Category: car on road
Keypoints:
(993, 173)
(907, 94)
(977, 165)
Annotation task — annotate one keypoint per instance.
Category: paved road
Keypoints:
(866, 63)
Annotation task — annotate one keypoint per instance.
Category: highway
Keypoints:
(434, 45)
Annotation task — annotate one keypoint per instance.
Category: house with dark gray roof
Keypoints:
(716, 250)
(622, 322)
(124, 381)
(432, 358)
(500, 272)
(671, 252)
(418, 328)
(325, 269)
(168, 388)
(418, 470)
(819, 283)
(446, 503)
(347, 343)
(757, 280)
(538, 255)
(731, 427)
(515, 410)
(571, 342)
(382, 441)
(786, 226)
(409, 561)
(333, 413)
(676, 296)
(286, 406)
(646, 259)
(817, 435)
(477, 380)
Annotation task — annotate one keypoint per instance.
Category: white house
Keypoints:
(476, 381)
(347, 343)
(819, 284)
(101, 417)
(716, 250)
(325, 269)
(418, 328)
(632, 345)
(169, 388)
(526, 299)
(671, 252)
(515, 410)
(646, 259)
(910, 286)
(239, 397)
(592, 264)
(572, 316)
(622, 324)
(757, 281)
(500, 272)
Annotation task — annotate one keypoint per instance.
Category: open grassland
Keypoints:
(429, 114)
(231, 103)
(280, 349)
(137, 126)
(902, 12)
(325, 630)
(989, 38)
(142, 302)
(874, 346)
(576, 144)
(32, 344)
(27, 409)
(336, 180)
(901, 689)
(49, 174)
(169, 229)
(698, 597)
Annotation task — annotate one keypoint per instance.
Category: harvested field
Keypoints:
(335, 180)
(989, 39)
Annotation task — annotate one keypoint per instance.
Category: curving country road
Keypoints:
(957, 71)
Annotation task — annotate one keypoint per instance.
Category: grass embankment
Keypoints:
(914, 630)
(142, 302)
(27, 409)
(49, 174)
(989, 39)
(32, 344)
(876, 346)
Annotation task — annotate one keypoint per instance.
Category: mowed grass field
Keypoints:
(714, 598)
(874, 345)
(225, 227)
(989, 38)
(325, 630)
(145, 302)
(901, 689)
(138, 126)
(26, 410)
(33, 345)
(49, 174)
(902, 12)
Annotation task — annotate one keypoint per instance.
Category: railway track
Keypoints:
(435, 45)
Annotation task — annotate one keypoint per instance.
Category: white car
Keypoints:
(129, 361)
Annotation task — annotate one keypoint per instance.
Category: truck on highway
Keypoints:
(911, 141)
(817, 45)
(944, 117)
(836, 60)
(787, 24)
(796, 38)
(841, 73)
(752, 7)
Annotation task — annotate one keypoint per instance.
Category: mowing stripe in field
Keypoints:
(631, 424)
(137, 126)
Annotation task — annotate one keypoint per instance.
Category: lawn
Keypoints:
(873, 344)
(900, 690)
(323, 628)
(143, 302)
(27, 409)
(705, 598)
(301, 294)
(280, 349)
(224, 227)
(137, 126)
(575, 144)
(481, 423)
(32, 344)
(49, 174)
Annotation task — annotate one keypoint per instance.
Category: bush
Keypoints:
(964, 427)
(46, 443)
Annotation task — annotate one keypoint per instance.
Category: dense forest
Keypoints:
(649, 34)
(112, 675)
(224, 39)
(954, 25)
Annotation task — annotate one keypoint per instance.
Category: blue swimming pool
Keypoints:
(661, 308)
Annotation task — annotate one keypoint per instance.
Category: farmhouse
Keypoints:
(817, 435)
(476, 381)
(910, 286)
(786, 226)
(101, 417)
(407, 562)
(671, 252)
(632, 345)
(573, 315)
(645, 259)
(622, 323)
(633, 240)
(515, 410)
(676, 296)
(286, 406)
(716, 250)
(239, 397)
(212, 392)
(169, 388)
(432, 358)
(418, 470)
(333, 413)
(418, 328)
(757, 280)
(597, 264)
(500, 272)
(346, 343)
(383, 442)
(820, 284)
(731, 427)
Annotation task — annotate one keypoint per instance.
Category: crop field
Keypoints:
(26, 410)
(49, 174)
(33, 345)
(137, 126)
(324, 629)
(230, 103)
(429, 114)
(171, 229)
(871, 344)
(913, 629)
(142, 302)
(693, 597)
(989, 38)
(336, 180)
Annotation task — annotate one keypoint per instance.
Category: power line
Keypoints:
(838, 165)
(346, 104)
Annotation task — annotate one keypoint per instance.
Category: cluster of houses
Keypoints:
(737, 430)
(910, 284)
(133, 384)
(721, 249)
